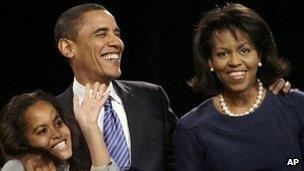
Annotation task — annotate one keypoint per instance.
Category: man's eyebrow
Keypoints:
(117, 29)
(102, 29)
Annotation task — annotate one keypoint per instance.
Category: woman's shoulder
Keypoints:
(197, 116)
(293, 98)
(13, 164)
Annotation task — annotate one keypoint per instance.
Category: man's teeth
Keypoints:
(111, 56)
(61, 146)
(237, 74)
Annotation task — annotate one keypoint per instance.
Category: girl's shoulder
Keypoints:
(13, 164)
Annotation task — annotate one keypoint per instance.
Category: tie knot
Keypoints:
(108, 105)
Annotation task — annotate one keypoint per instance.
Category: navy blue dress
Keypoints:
(270, 138)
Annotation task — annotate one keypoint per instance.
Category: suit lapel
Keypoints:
(66, 100)
(134, 116)
(134, 112)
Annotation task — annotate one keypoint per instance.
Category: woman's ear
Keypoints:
(65, 47)
(210, 64)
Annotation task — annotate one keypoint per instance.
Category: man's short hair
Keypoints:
(69, 23)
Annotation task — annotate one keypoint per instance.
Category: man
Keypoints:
(89, 38)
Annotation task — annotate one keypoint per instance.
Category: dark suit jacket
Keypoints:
(150, 120)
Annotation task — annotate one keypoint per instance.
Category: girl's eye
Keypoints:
(59, 123)
(42, 131)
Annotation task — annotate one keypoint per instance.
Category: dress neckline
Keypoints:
(241, 123)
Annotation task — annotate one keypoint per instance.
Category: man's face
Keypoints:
(98, 48)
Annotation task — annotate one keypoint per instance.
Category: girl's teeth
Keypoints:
(60, 146)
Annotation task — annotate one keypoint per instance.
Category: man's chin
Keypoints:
(114, 76)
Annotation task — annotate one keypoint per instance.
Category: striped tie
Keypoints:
(114, 137)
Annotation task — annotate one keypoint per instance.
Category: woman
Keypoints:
(243, 126)
(34, 136)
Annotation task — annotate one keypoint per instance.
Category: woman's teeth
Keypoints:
(237, 74)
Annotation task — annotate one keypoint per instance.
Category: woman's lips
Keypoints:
(236, 75)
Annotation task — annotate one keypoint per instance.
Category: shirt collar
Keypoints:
(79, 90)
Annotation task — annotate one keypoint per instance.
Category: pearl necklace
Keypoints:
(251, 109)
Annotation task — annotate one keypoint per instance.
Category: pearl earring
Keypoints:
(211, 69)
(259, 64)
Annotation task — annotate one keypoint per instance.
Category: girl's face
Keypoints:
(45, 129)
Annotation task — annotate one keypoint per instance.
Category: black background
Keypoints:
(157, 36)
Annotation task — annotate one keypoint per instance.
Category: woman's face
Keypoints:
(234, 60)
(45, 129)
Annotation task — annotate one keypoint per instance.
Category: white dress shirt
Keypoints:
(117, 105)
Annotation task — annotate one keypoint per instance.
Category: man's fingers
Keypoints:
(278, 86)
(271, 87)
(287, 87)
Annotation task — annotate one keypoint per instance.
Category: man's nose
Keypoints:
(114, 41)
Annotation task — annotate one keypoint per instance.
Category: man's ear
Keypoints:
(66, 48)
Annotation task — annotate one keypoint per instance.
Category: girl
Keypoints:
(34, 136)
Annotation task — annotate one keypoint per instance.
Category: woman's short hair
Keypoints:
(234, 17)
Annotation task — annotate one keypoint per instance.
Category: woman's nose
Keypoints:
(235, 60)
